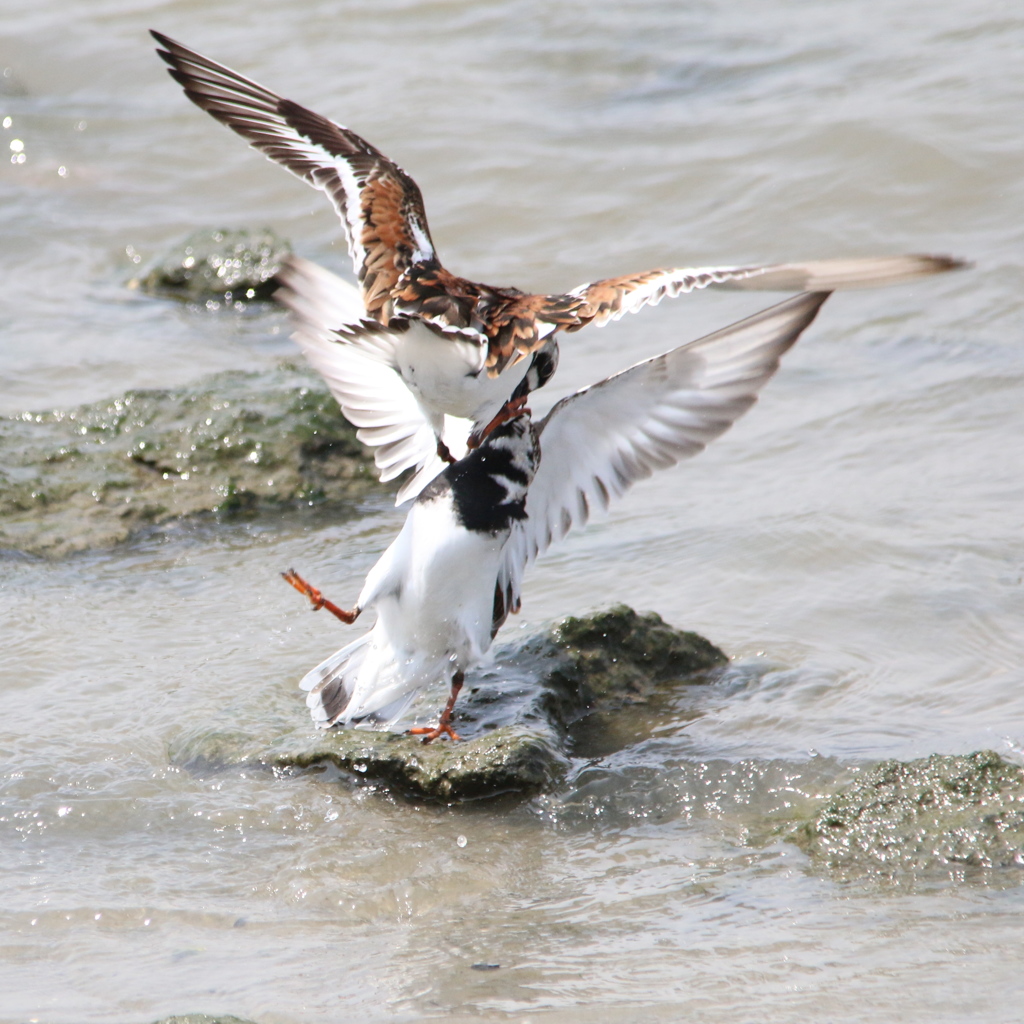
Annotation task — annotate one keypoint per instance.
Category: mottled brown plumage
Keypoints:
(387, 206)
(379, 204)
(399, 272)
(382, 210)
(613, 297)
(454, 348)
(510, 322)
(514, 327)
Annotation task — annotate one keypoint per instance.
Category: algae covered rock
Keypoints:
(517, 716)
(617, 657)
(936, 812)
(506, 760)
(94, 475)
(512, 759)
(218, 266)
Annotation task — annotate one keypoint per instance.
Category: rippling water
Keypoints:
(855, 542)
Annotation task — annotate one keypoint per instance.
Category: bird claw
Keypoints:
(429, 735)
(444, 454)
(444, 725)
(314, 595)
(316, 599)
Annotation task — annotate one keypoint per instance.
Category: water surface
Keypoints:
(854, 543)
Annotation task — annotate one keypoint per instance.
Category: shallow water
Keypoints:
(855, 542)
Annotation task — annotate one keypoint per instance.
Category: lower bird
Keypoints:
(454, 573)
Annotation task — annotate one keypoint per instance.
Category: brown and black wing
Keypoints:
(521, 325)
(510, 323)
(379, 205)
(614, 297)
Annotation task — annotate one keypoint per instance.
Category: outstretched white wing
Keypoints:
(614, 297)
(596, 443)
(357, 360)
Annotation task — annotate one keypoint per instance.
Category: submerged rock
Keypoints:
(94, 475)
(518, 718)
(937, 812)
(232, 267)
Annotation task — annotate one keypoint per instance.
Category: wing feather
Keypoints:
(614, 297)
(379, 205)
(597, 443)
(360, 371)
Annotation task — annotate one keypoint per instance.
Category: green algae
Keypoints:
(618, 657)
(940, 813)
(517, 717)
(95, 475)
(218, 267)
(506, 760)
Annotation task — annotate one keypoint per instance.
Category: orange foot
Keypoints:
(317, 599)
(444, 725)
(429, 735)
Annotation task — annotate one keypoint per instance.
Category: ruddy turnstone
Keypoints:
(454, 573)
(461, 347)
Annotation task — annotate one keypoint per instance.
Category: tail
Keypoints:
(360, 683)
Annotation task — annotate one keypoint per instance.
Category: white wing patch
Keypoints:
(360, 371)
(344, 200)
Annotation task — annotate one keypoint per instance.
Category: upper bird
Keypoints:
(461, 347)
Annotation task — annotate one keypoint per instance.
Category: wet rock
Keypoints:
(518, 717)
(241, 442)
(218, 266)
(506, 760)
(938, 812)
(617, 658)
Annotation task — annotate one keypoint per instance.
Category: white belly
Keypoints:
(433, 592)
(436, 597)
(448, 375)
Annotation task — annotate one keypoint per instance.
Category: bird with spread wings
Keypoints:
(418, 351)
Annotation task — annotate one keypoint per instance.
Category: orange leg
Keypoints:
(444, 726)
(509, 411)
(317, 599)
